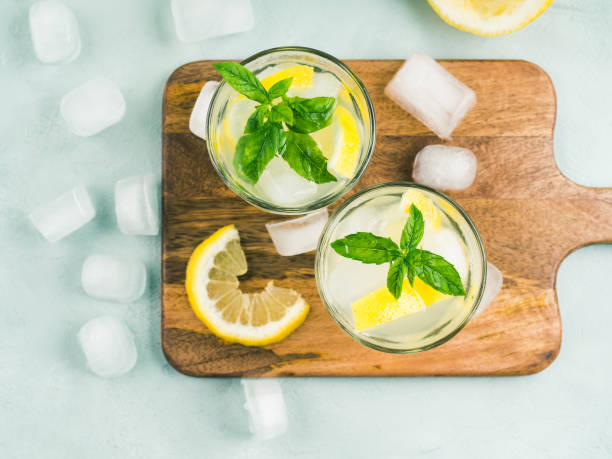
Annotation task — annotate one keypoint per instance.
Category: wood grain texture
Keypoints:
(529, 215)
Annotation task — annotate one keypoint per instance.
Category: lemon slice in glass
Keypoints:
(347, 144)
(212, 286)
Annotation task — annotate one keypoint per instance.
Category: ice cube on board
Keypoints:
(431, 94)
(197, 20)
(92, 107)
(266, 407)
(63, 215)
(444, 167)
(495, 280)
(282, 185)
(199, 114)
(111, 278)
(299, 235)
(136, 205)
(55, 32)
(108, 345)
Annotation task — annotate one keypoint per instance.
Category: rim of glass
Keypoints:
(324, 241)
(317, 204)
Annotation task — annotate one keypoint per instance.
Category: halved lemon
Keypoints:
(347, 144)
(253, 319)
(489, 18)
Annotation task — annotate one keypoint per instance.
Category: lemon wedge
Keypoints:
(345, 157)
(489, 18)
(301, 74)
(430, 212)
(253, 319)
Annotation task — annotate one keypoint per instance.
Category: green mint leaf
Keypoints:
(255, 150)
(395, 276)
(413, 229)
(279, 88)
(242, 80)
(257, 119)
(281, 112)
(436, 272)
(410, 271)
(367, 248)
(310, 115)
(303, 155)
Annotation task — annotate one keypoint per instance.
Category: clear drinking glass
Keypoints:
(280, 189)
(341, 281)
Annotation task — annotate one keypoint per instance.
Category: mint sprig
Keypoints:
(406, 260)
(279, 126)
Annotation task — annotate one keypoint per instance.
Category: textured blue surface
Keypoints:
(51, 406)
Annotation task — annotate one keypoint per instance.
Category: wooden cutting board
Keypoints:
(529, 215)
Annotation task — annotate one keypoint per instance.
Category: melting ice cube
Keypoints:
(55, 32)
(108, 346)
(493, 286)
(199, 114)
(444, 167)
(447, 244)
(282, 185)
(299, 235)
(63, 215)
(136, 205)
(93, 106)
(350, 280)
(197, 20)
(266, 407)
(431, 94)
(110, 278)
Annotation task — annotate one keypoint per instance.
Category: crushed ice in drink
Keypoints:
(299, 235)
(55, 32)
(111, 278)
(266, 407)
(493, 286)
(282, 185)
(136, 205)
(431, 94)
(199, 114)
(108, 345)
(64, 215)
(93, 106)
(197, 20)
(447, 244)
(444, 167)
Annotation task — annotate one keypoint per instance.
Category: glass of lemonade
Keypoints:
(350, 135)
(349, 288)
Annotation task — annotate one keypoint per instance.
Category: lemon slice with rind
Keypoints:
(430, 212)
(254, 319)
(489, 17)
(344, 160)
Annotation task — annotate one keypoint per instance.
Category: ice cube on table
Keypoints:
(199, 114)
(55, 32)
(93, 106)
(111, 278)
(349, 280)
(136, 205)
(282, 185)
(197, 20)
(298, 235)
(108, 345)
(447, 244)
(63, 215)
(445, 167)
(266, 407)
(431, 94)
(493, 286)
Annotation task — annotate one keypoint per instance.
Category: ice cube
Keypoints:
(282, 185)
(431, 94)
(197, 20)
(299, 235)
(108, 345)
(199, 114)
(55, 32)
(493, 286)
(63, 215)
(444, 167)
(93, 106)
(136, 205)
(350, 280)
(447, 244)
(110, 278)
(266, 407)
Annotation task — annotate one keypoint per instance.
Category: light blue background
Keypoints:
(51, 406)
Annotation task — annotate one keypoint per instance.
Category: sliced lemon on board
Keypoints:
(489, 17)
(253, 319)
(345, 157)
